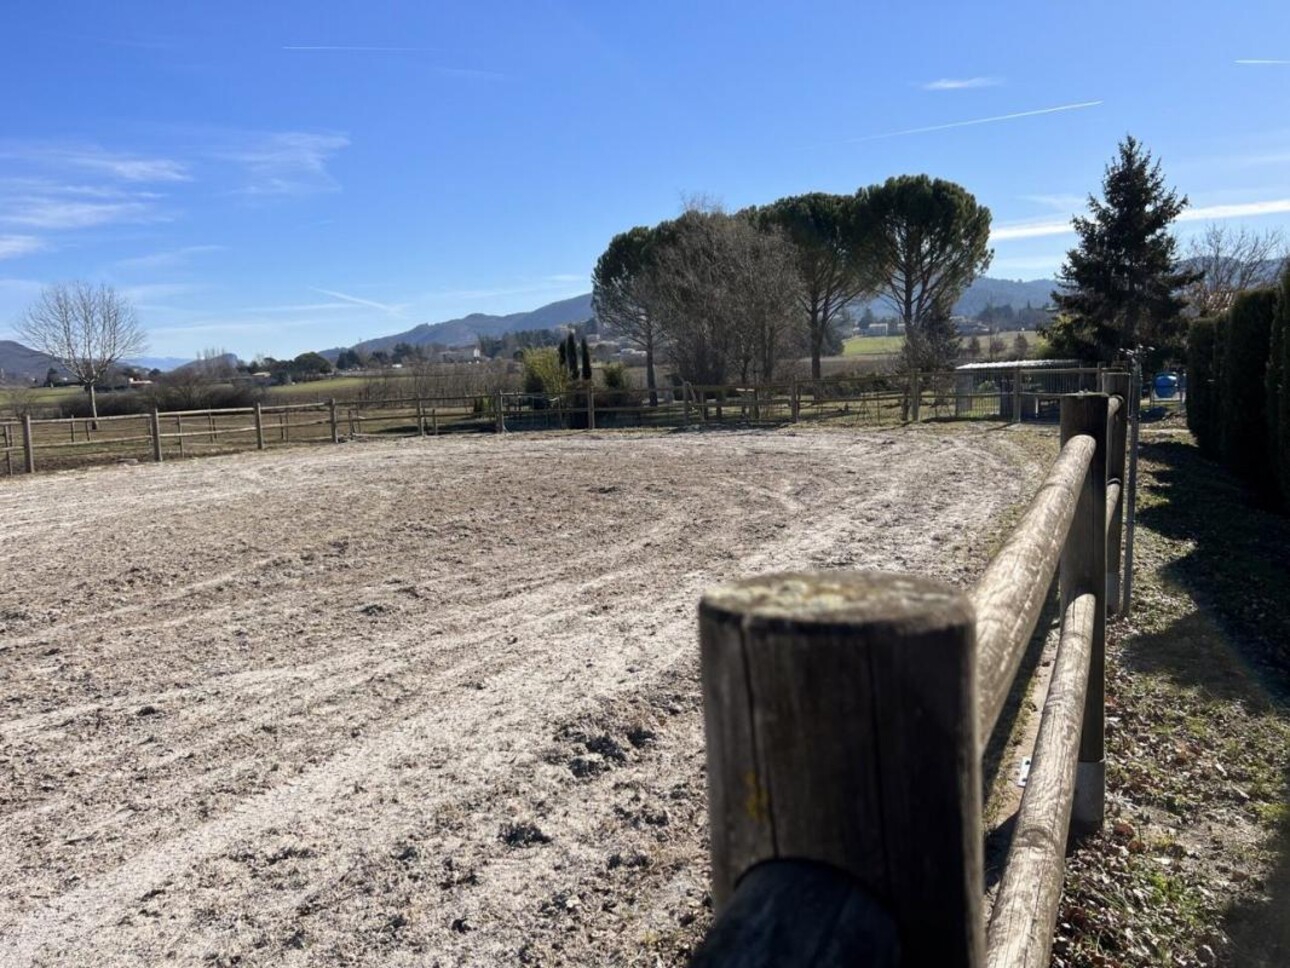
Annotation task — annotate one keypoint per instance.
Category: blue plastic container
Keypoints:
(1166, 385)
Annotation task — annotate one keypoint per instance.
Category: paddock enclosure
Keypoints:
(412, 702)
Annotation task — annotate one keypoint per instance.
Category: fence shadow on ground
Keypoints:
(1238, 569)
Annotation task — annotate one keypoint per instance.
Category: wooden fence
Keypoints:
(847, 715)
(31, 443)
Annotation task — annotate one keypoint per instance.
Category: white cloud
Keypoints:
(1201, 213)
(1030, 230)
(53, 213)
(961, 83)
(119, 165)
(1262, 62)
(13, 246)
(169, 259)
(1274, 206)
(287, 162)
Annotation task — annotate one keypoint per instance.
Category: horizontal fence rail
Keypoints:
(847, 715)
(1011, 393)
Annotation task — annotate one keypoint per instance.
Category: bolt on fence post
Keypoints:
(259, 426)
(841, 719)
(155, 428)
(1083, 571)
(28, 447)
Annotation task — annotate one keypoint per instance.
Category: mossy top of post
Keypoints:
(822, 601)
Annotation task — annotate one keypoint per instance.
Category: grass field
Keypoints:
(887, 345)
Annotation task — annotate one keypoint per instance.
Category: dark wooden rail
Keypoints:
(846, 715)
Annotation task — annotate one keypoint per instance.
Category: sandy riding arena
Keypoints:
(430, 702)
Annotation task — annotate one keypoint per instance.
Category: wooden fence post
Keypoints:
(156, 435)
(685, 396)
(28, 447)
(499, 401)
(1083, 571)
(259, 427)
(335, 426)
(797, 402)
(179, 429)
(915, 396)
(591, 408)
(1134, 415)
(841, 721)
(210, 425)
(1016, 396)
(421, 417)
(1117, 385)
(8, 449)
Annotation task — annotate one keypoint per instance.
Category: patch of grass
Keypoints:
(872, 345)
(1194, 865)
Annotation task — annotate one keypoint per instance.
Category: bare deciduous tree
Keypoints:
(1231, 260)
(724, 295)
(87, 328)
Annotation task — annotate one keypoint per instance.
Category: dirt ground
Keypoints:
(427, 702)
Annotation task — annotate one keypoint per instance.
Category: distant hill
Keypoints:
(162, 363)
(19, 364)
(467, 329)
(986, 291)
(457, 332)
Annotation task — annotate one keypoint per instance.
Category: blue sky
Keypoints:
(281, 176)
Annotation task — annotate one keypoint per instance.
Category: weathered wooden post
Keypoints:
(434, 420)
(210, 425)
(1016, 396)
(685, 396)
(797, 402)
(179, 431)
(335, 425)
(915, 395)
(259, 426)
(28, 447)
(1130, 515)
(1083, 571)
(1116, 385)
(156, 435)
(591, 408)
(8, 449)
(421, 417)
(501, 414)
(841, 720)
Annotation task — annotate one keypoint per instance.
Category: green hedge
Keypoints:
(1278, 390)
(1202, 384)
(1246, 341)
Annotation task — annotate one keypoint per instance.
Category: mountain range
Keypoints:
(19, 363)
(986, 291)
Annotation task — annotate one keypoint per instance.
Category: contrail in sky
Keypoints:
(998, 117)
(337, 47)
(1252, 60)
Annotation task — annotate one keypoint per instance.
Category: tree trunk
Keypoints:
(649, 374)
(94, 405)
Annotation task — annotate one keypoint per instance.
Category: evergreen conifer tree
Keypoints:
(1120, 287)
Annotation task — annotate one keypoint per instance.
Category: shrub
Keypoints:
(1202, 384)
(1278, 384)
(545, 372)
(1245, 342)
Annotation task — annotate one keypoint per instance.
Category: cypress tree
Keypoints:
(586, 360)
(571, 355)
